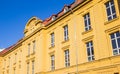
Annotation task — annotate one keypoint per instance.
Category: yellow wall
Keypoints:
(105, 62)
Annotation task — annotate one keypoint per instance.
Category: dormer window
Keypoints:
(66, 9)
(53, 18)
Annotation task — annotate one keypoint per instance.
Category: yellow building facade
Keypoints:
(83, 38)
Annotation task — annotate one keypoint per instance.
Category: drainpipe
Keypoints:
(75, 40)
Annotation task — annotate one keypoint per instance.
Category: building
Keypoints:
(83, 38)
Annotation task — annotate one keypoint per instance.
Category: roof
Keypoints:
(48, 20)
(9, 48)
(45, 22)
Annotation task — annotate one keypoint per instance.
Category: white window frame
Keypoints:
(29, 49)
(15, 57)
(87, 22)
(66, 37)
(116, 42)
(52, 39)
(33, 67)
(111, 12)
(67, 58)
(34, 46)
(28, 68)
(66, 9)
(89, 46)
(52, 62)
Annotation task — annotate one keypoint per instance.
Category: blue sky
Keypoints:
(14, 15)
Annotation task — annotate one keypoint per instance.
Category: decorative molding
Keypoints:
(66, 47)
(107, 22)
(113, 29)
(88, 38)
(65, 41)
(52, 52)
(87, 31)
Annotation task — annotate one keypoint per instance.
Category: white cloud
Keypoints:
(2, 49)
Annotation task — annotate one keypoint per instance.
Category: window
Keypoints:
(90, 51)
(14, 71)
(87, 22)
(9, 61)
(4, 63)
(67, 58)
(65, 32)
(66, 9)
(53, 17)
(27, 68)
(33, 67)
(52, 39)
(15, 57)
(34, 46)
(7, 71)
(115, 40)
(52, 62)
(110, 9)
(28, 49)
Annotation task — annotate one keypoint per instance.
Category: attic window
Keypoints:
(53, 18)
(66, 9)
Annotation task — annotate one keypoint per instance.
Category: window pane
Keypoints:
(113, 9)
(108, 12)
(107, 4)
(89, 21)
(85, 23)
(114, 44)
(86, 29)
(112, 36)
(117, 34)
(93, 58)
(88, 51)
(109, 18)
(92, 51)
(114, 16)
(91, 43)
(118, 41)
(87, 44)
(115, 52)
(89, 58)
(112, 2)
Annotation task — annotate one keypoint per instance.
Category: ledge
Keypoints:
(27, 56)
(65, 41)
(88, 38)
(14, 63)
(51, 47)
(107, 22)
(33, 53)
(7, 66)
(110, 30)
(87, 31)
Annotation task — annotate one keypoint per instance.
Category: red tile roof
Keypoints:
(9, 48)
(46, 22)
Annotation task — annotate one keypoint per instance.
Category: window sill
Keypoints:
(33, 53)
(87, 31)
(3, 68)
(28, 56)
(107, 22)
(14, 63)
(65, 41)
(19, 61)
(7, 66)
(51, 47)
